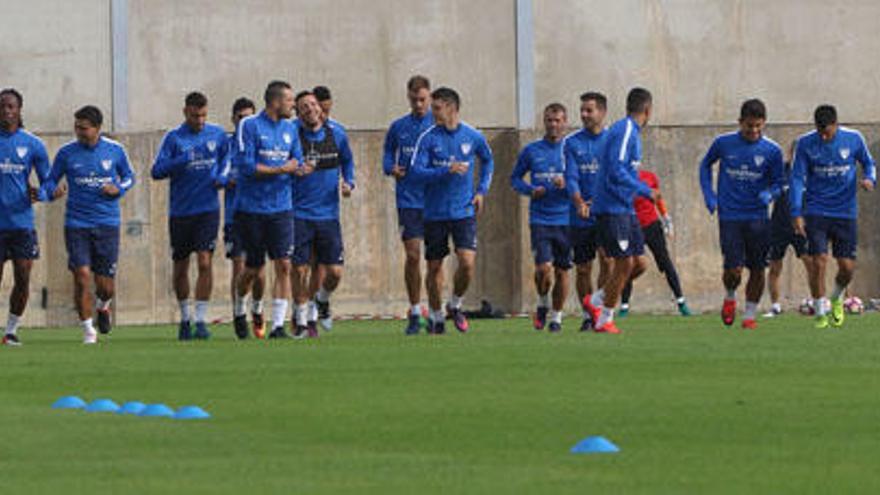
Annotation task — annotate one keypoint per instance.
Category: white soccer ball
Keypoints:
(806, 307)
(853, 305)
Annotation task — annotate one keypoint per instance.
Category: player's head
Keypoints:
(11, 102)
(309, 109)
(242, 108)
(87, 124)
(752, 118)
(444, 105)
(825, 118)
(325, 99)
(639, 103)
(279, 99)
(418, 92)
(594, 106)
(195, 111)
(555, 121)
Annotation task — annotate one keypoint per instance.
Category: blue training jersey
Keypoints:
(316, 195)
(617, 182)
(189, 159)
(543, 161)
(824, 174)
(270, 143)
(225, 175)
(88, 169)
(20, 153)
(750, 176)
(582, 151)
(400, 143)
(450, 196)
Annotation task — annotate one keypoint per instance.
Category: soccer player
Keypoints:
(750, 176)
(781, 236)
(21, 153)
(325, 100)
(226, 176)
(188, 156)
(582, 151)
(269, 154)
(549, 210)
(616, 186)
(400, 142)
(655, 228)
(98, 174)
(444, 161)
(316, 211)
(823, 203)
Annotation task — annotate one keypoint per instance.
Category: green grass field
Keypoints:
(695, 408)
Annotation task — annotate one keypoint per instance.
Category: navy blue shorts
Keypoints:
(584, 242)
(411, 223)
(193, 233)
(744, 243)
(95, 247)
(260, 234)
(437, 233)
(19, 244)
(620, 235)
(551, 243)
(323, 237)
(232, 241)
(841, 232)
(779, 243)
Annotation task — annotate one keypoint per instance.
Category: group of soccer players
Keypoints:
(283, 175)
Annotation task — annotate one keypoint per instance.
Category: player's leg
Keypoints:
(412, 231)
(817, 229)
(180, 232)
(316, 278)
(543, 257)
(22, 247)
(561, 266)
(622, 240)
(329, 250)
(774, 275)
(464, 237)
(436, 249)
(249, 229)
(757, 245)
(79, 263)
(280, 247)
(733, 251)
(302, 260)
(203, 243)
(583, 242)
(656, 241)
(104, 257)
(258, 288)
(844, 237)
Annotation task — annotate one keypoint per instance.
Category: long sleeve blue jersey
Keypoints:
(450, 196)
(543, 161)
(582, 151)
(225, 175)
(20, 153)
(316, 196)
(617, 182)
(824, 174)
(400, 143)
(189, 159)
(750, 176)
(270, 143)
(87, 170)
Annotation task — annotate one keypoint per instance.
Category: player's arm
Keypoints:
(869, 169)
(40, 166)
(247, 149)
(422, 159)
(51, 188)
(124, 179)
(776, 176)
(390, 153)
(572, 181)
(347, 159)
(169, 158)
(796, 188)
(619, 173)
(521, 168)
(223, 165)
(709, 196)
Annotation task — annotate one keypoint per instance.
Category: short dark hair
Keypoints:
(824, 116)
(448, 95)
(196, 100)
(322, 93)
(418, 82)
(302, 94)
(638, 100)
(91, 113)
(753, 109)
(274, 91)
(241, 104)
(599, 98)
(555, 107)
(15, 94)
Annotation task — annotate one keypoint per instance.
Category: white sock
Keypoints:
(543, 300)
(101, 304)
(455, 301)
(279, 312)
(322, 295)
(416, 309)
(837, 292)
(185, 313)
(624, 306)
(438, 315)
(606, 316)
(731, 295)
(256, 307)
(201, 311)
(597, 298)
(821, 306)
(302, 314)
(751, 310)
(680, 300)
(776, 307)
(238, 304)
(12, 324)
(87, 325)
(556, 316)
(313, 311)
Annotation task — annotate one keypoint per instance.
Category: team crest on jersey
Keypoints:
(465, 148)
(623, 243)
(844, 153)
(22, 151)
(759, 160)
(212, 145)
(287, 138)
(106, 164)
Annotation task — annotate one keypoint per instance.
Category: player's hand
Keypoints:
(478, 204)
(867, 185)
(398, 172)
(305, 168)
(459, 168)
(33, 193)
(766, 197)
(583, 209)
(654, 195)
(59, 191)
(538, 192)
(798, 224)
(346, 190)
(711, 205)
(559, 182)
(110, 189)
(667, 225)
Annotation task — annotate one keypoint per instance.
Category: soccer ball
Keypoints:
(853, 305)
(806, 308)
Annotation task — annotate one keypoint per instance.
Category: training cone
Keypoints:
(191, 412)
(157, 411)
(69, 402)
(131, 407)
(102, 405)
(595, 445)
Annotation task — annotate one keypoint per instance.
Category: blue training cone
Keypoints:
(102, 405)
(131, 407)
(191, 412)
(157, 411)
(595, 445)
(69, 402)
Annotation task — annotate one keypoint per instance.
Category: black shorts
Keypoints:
(584, 243)
(621, 235)
(841, 232)
(551, 243)
(193, 233)
(95, 247)
(19, 244)
(322, 236)
(411, 223)
(744, 243)
(437, 233)
(261, 233)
